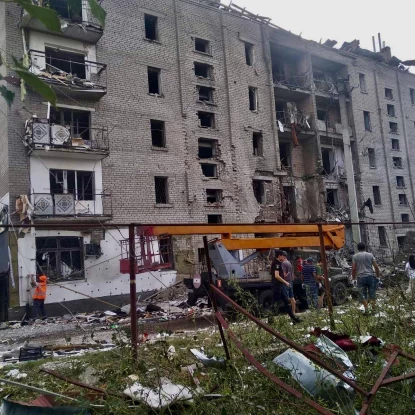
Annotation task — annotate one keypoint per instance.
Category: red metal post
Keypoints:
(133, 290)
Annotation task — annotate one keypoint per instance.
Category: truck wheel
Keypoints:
(266, 300)
(339, 293)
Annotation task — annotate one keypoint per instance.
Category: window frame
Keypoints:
(65, 190)
(156, 28)
(166, 190)
(158, 72)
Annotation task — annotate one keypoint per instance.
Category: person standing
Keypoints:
(363, 269)
(321, 285)
(310, 282)
(410, 272)
(39, 296)
(287, 275)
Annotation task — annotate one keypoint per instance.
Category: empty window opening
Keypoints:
(393, 127)
(58, 61)
(77, 121)
(257, 145)
(285, 154)
(253, 98)
(403, 200)
(158, 133)
(322, 115)
(71, 10)
(259, 191)
(376, 195)
(328, 160)
(382, 236)
(391, 110)
(78, 183)
(397, 162)
(332, 197)
(209, 170)
(213, 195)
(405, 217)
(207, 148)
(151, 23)
(162, 190)
(412, 95)
(203, 70)
(395, 144)
(362, 82)
(202, 45)
(249, 53)
(400, 181)
(401, 241)
(214, 218)
(372, 157)
(205, 93)
(154, 81)
(388, 93)
(366, 117)
(206, 119)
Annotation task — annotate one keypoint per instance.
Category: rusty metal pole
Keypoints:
(326, 276)
(133, 290)
(213, 297)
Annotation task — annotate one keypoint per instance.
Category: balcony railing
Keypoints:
(298, 118)
(72, 204)
(294, 81)
(328, 87)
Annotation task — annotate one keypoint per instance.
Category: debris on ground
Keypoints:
(207, 361)
(14, 408)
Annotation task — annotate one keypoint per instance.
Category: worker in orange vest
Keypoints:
(39, 296)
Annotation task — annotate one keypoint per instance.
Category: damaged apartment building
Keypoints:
(183, 111)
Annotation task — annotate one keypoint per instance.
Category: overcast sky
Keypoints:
(344, 21)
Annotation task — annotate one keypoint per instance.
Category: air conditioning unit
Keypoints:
(60, 134)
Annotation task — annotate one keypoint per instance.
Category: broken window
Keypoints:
(328, 160)
(382, 236)
(205, 93)
(203, 70)
(332, 197)
(391, 110)
(209, 170)
(322, 115)
(249, 53)
(257, 146)
(213, 195)
(393, 127)
(372, 157)
(405, 217)
(206, 119)
(202, 45)
(253, 98)
(388, 93)
(400, 181)
(259, 191)
(207, 148)
(79, 183)
(366, 117)
(154, 82)
(71, 10)
(401, 241)
(60, 258)
(376, 195)
(150, 24)
(158, 135)
(58, 61)
(77, 121)
(412, 95)
(162, 190)
(285, 154)
(403, 200)
(397, 162)
(395, 144)
(362, 82)
(214, 218)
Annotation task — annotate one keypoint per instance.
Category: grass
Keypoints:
(243, 390)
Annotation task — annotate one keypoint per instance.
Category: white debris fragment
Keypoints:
(207, 361)
(171, 351)
(110, 313)
(16, 374)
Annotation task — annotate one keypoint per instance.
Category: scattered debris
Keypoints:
(208, 361)
(14, 408)
(16, 374)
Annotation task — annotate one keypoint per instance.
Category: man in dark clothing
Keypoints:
(278, 283)
(287, 274)
(310, 281)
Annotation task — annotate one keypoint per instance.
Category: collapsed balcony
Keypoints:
(77, 21)
(69, 74)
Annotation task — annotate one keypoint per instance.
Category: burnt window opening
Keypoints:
(400, 181)
(397, 162)
(249, 53)
(209, 170)
(154, 81)
(328, 160)
(395, 144)
(158, 133)
(203, 70)
(376, 195)
(285, 154)
(77, 121)
(259, 191)
(372, 157)
(161, 186)
(332, 197)
(151, 26)
(405, 217)
(393, 127)
(214, 218)
(388, 93)
(71, 10)
(401, 241)
(366, 118)
(206, 119)
(288, 205)
(382, 236)
(322, 115)
(362, 82)
(205, 94)
(257, 144)
(253, 98)
(58, 61)
(391, 110)
(207, 148)
(412, 95)
(403, 200)
(202, 45)
(78, 183)
(213, 196)
(60, 258)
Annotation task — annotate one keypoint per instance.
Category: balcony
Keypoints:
(332, 127)
(292, 86)
(47, 139)
(301, 122)
(70, 74)
(76, 23)
(325, 87)
(72, 205)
